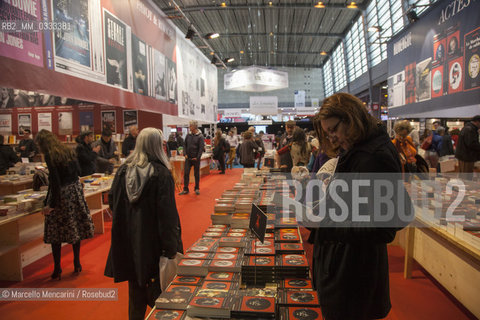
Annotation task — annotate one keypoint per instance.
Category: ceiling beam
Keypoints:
(289, 6)
(289, 34)
(288, 65)
(229, 53)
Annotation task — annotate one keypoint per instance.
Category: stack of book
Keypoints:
(291, 266)
(240, 220)
(295, 284)
(258, 270)
(294, 313)
(213, 299)
(254, 307)
(257, 248)
(176, 297)
(287, 235)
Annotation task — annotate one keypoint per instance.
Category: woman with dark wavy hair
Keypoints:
(67, 218)
(350, 254)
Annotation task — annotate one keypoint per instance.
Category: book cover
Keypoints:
(221, 276)
(300, 313)
(181, 288)
(297, 284)
(187, 280)
(162, 314)
(217, 285)
(294, 260)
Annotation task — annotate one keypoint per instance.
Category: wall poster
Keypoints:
(24, 122)
(79, 51)
(130, 118)
(6, 124)
(108, 121)
(65, 124)
(117, 51)
(44, 121)
(86, 121)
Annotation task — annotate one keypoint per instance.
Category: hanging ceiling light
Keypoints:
(212, 35)
(352, 5)
(190, 33)
(227, 60)
(319, 5)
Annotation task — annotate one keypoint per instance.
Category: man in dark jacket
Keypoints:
(286, 159)
(129, 143)
(87, 157)
(8, 158)
(468, 147)
(194, 144)
(107, 153)
(27, 147)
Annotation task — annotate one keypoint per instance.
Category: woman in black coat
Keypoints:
(350, 256)
(145, 223)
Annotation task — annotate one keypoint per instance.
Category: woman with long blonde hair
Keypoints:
(145, 222)
(67, 217)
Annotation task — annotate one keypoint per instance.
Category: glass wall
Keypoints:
(327, 78)
(339, 68)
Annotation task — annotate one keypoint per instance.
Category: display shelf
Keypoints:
(453, 262)
(21, 236)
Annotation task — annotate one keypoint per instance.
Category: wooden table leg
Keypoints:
(410, 240)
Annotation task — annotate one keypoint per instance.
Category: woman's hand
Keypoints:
(47, 210)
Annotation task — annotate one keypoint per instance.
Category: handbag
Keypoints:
(168, 269)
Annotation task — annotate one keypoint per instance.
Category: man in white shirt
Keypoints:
(232, 139)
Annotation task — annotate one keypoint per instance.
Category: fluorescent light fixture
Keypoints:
(212, 35)
(227, 60)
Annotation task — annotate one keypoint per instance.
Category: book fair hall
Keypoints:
(240, 159)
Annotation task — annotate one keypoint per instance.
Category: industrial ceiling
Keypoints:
(277, 33)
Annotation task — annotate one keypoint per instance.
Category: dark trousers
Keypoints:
(186, 173)
(140, 297)
(221, 162)
(466, 169)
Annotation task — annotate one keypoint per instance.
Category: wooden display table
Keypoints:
(21, 236)
(454, 263)
(12, 187)
(178, 166)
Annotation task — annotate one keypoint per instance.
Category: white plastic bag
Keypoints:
(168, 269)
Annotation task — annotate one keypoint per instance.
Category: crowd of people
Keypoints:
(350, 263)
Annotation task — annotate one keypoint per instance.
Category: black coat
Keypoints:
(87, 159)
(128, 145)
(144, 230)
(468, 147)
(351, 262)
(59, 176)
(30, 149)
(8, 158)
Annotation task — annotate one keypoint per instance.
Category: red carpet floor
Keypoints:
(418, 298)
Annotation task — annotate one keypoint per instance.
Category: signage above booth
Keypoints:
(255, 79)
